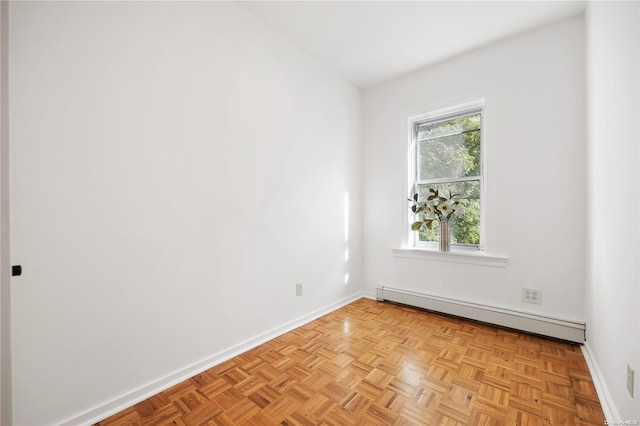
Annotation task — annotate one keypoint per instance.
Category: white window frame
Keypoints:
(412, 157)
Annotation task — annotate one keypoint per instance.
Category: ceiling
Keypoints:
(369, 42)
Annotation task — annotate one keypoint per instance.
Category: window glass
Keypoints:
(448, 159)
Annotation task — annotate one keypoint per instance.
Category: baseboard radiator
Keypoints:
(573, 331)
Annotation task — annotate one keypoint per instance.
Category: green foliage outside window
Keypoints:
(449, 161)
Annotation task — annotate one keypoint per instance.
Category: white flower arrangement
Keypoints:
(435, 208)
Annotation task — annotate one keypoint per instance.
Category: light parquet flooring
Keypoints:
(374, 363)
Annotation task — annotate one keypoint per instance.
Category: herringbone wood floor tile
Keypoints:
(373, 363)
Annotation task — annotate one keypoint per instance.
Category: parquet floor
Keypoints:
(373, 363)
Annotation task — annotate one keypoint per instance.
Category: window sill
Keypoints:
(470, 258)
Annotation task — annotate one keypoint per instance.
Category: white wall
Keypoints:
(614, 136)
(534, 89)
(176, 169)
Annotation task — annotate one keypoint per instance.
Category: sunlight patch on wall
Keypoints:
(346, 236)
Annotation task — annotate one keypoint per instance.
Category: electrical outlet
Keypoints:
(630, 374)
(299, 289)
(532, 295)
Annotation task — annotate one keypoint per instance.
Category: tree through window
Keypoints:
(448, 157)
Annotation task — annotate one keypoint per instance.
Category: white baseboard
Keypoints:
(560, 328)
(129, 399)
(606, 401)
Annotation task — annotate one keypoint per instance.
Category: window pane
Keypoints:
(465, 228)
(449, 149)
(449, 126)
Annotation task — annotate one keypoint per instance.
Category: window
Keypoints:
(447, 156)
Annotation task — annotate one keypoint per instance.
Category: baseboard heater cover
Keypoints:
(573, 331)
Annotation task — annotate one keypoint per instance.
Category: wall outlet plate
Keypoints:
(298, 289)
(630, 377)
(532, 295)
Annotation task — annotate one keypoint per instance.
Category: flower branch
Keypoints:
(436, 207)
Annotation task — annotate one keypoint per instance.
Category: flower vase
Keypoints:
(445, 239)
